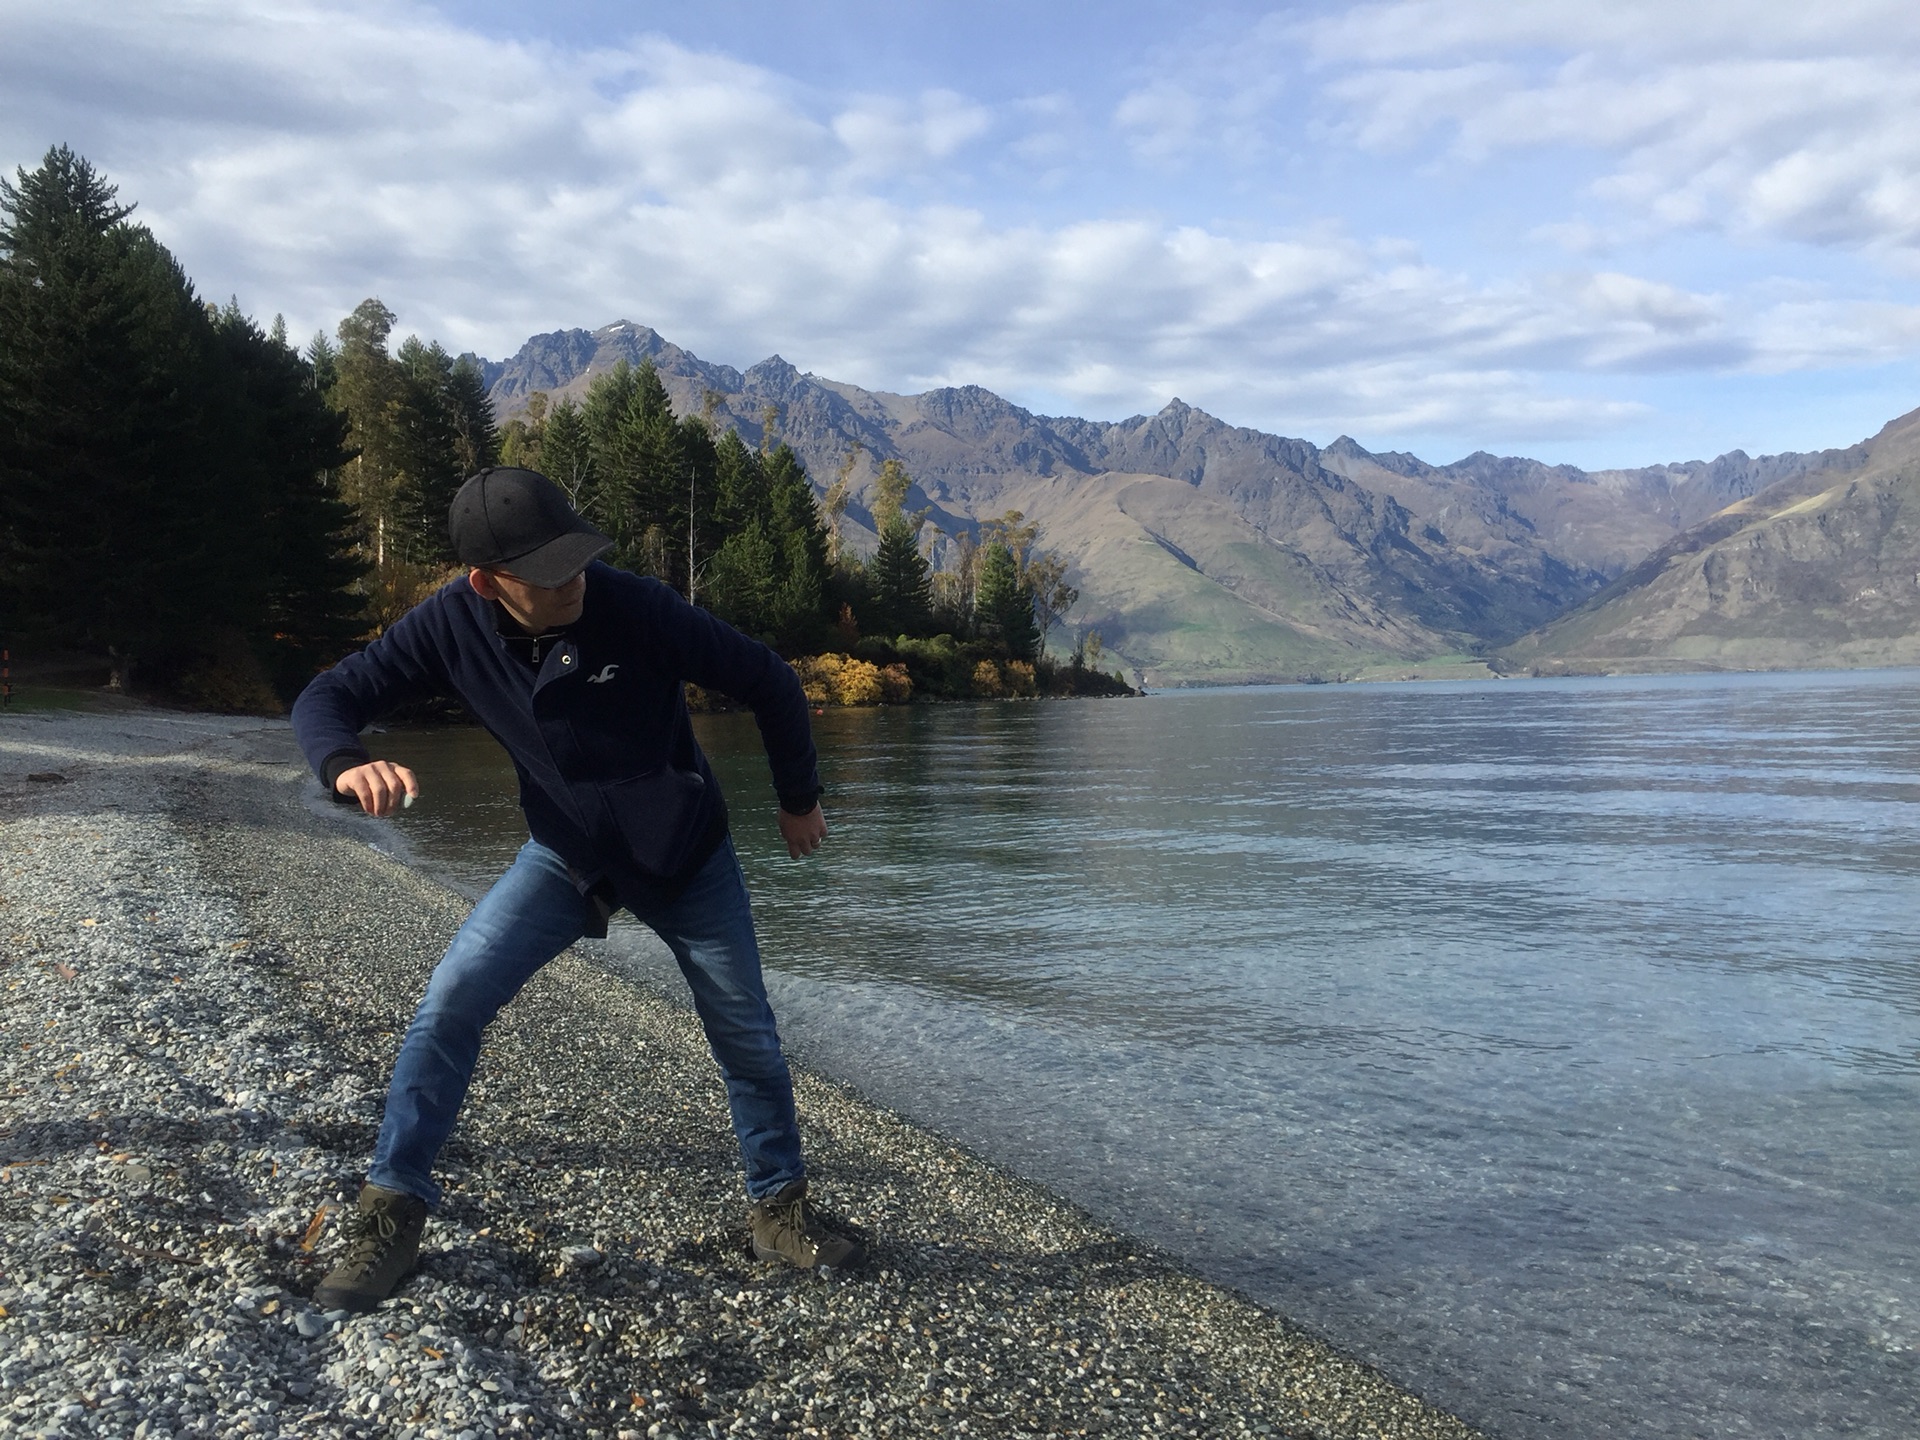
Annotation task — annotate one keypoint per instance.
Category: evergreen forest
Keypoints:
(213, 515)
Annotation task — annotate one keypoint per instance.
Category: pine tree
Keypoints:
(64, 296)
(523, 438)
(740, 485)
(640, 476)
(696, 534)
(421, 423)
(608, 400)
(476, 439)
(609, 421)
(768, 575)
(743, 582)
(744, 574)
(1043, 576)
(111, 527)
(566, 458)
(654, 478)
(1003, 606)
(303, 612)
(429, 463)
(902, 584)
(367, 387)
(799, 616)
(164, 468)
(650, 392)
(323, 358)
(900, 580)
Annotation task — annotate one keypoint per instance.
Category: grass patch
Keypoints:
(30, 698)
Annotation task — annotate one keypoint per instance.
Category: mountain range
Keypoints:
(1819, 569)
(1207, 553)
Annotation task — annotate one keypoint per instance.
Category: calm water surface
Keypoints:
(1553, 1045)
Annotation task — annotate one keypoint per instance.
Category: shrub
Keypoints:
(857, 682)
(986, 680)
(225, 676)
(813, 680)
(845, 680)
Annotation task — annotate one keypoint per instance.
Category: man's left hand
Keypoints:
(803, 833)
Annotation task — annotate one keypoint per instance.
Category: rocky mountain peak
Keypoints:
(641, 337)
(969, 409)
(773, 376)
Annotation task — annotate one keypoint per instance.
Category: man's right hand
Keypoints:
(378, 786)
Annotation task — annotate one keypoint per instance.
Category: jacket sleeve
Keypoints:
(713, 655)
(403, 665)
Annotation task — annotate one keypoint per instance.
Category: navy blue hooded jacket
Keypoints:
(611, 777)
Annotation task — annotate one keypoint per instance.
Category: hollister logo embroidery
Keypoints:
(604, 676)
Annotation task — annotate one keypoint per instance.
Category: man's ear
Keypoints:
(482, 583)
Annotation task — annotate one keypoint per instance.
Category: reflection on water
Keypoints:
(1555, 1045)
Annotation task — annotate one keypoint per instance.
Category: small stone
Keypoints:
(310, 1325)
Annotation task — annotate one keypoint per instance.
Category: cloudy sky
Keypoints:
(1604, 234)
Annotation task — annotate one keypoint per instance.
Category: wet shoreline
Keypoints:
(206, 974)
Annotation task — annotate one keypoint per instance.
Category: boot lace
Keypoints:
(369, 1233)
(795, 1214)
(800, 1219)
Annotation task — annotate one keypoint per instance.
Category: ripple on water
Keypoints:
(1555, 1045)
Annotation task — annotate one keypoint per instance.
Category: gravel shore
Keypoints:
(206, 971)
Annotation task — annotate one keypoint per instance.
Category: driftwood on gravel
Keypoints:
(204, 981)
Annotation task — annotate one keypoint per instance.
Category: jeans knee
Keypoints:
(453, 1015)
(754, 1058)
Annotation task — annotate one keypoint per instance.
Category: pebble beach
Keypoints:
(205, 969)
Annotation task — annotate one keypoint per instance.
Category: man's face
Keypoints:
(536, 607)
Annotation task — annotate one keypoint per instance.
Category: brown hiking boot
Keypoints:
(383, 1241)
(787, 1227)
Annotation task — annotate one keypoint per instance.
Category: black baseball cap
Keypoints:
(519, 521)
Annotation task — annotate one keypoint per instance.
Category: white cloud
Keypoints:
(886, 136)
(1161, 119)
(311, 155)
(1208, 97)
(1398, 30)
(1765, 120)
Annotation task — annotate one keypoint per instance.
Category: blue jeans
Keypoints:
(531, 914)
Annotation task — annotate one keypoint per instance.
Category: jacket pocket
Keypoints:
(656, 813)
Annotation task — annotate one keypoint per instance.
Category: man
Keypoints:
(576, 668)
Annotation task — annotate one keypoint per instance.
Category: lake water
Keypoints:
(1553, 1045)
